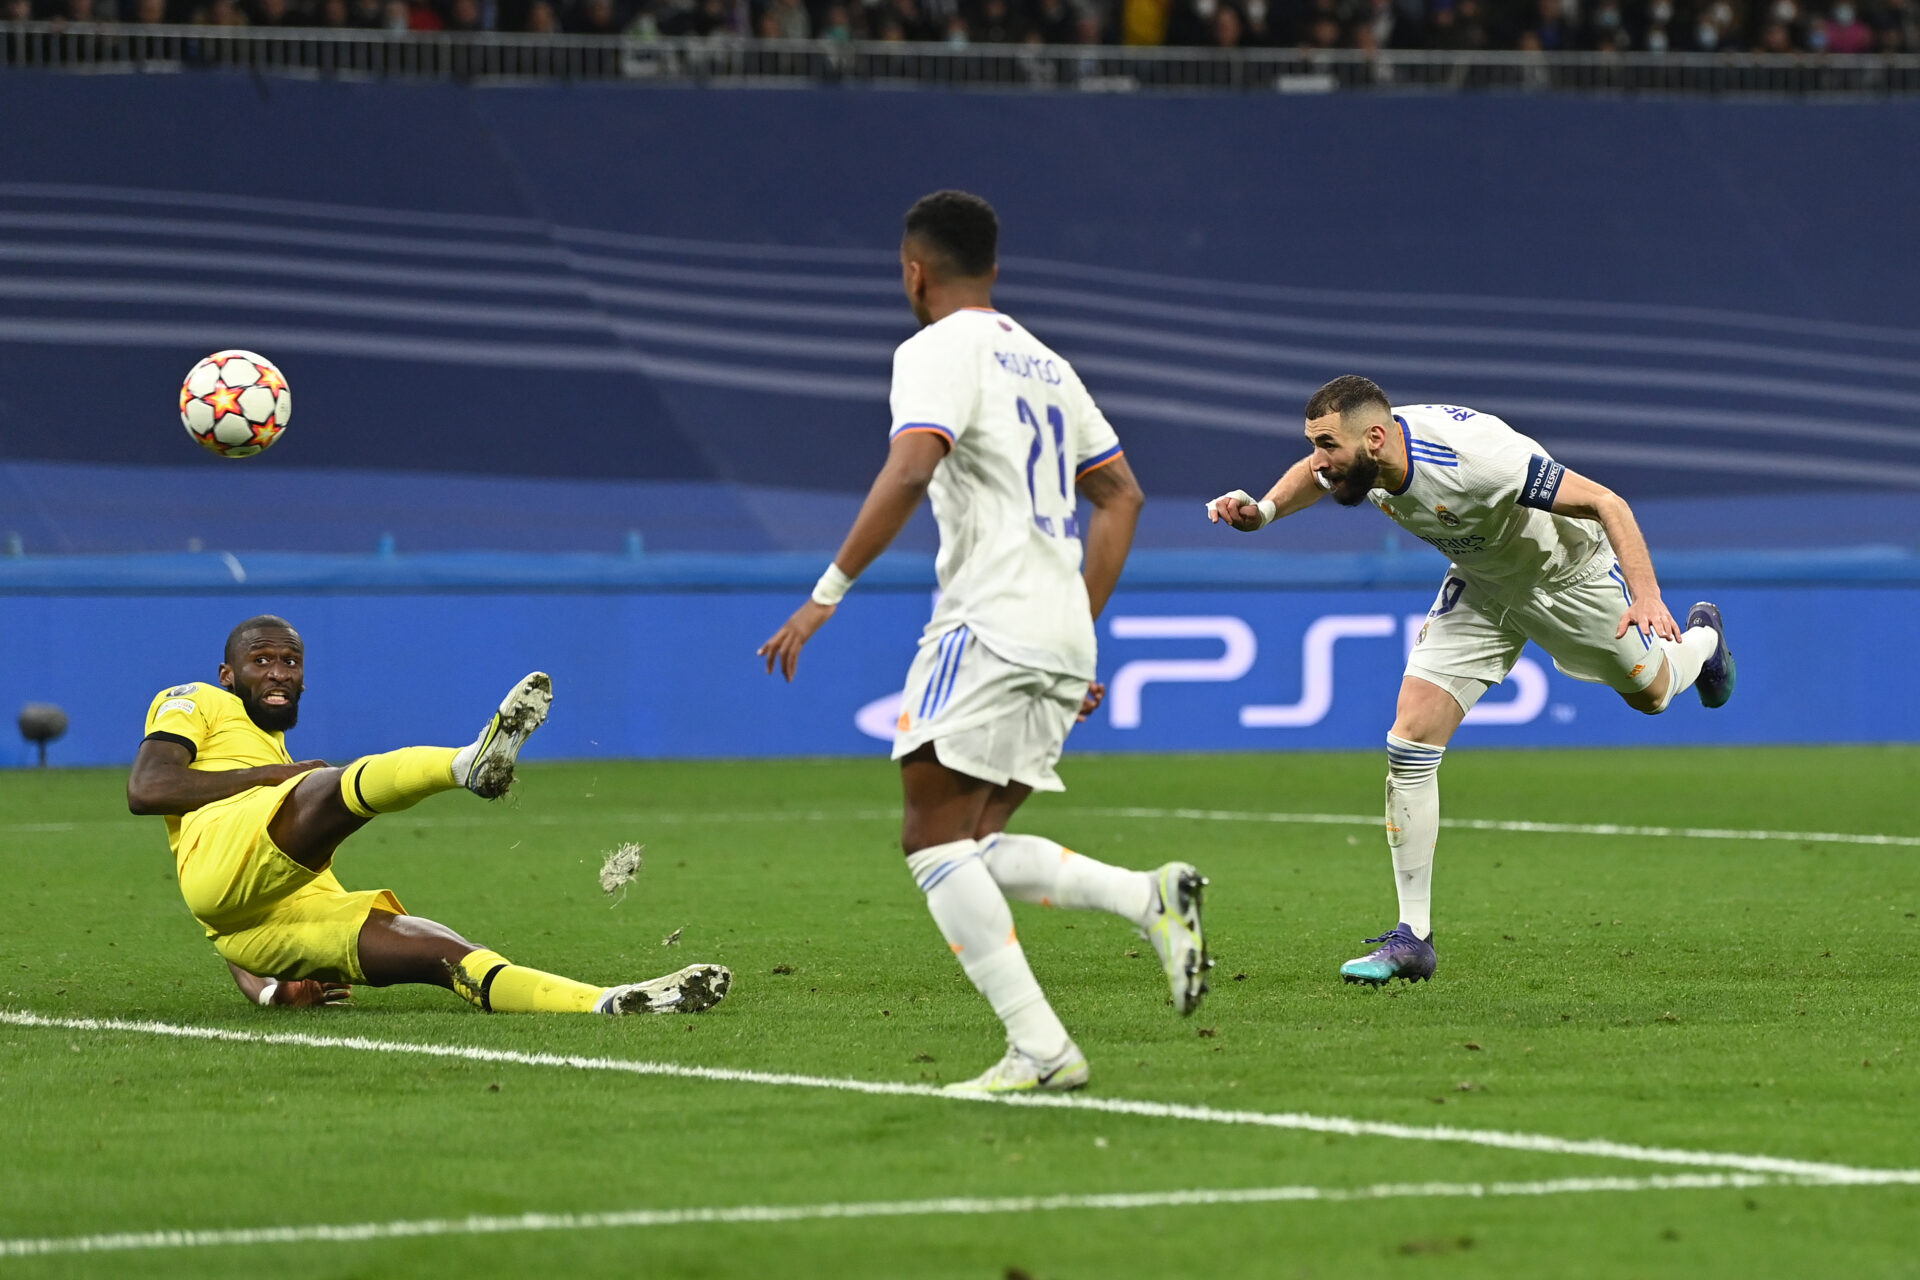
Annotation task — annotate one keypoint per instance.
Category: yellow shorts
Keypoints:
(264, 911)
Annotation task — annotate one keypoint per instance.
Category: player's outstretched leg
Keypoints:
(395, 949)
(396, 780)
(329, 805)
(1164, 905)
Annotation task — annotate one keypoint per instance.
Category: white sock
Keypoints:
(1413, 827)
(1685, 659)
(463, 760)
(973, 916)
(1036, 869)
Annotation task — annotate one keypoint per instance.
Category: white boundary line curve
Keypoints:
(350, 1233)
(1601, 1148)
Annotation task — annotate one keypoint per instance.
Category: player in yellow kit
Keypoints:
(254, 834)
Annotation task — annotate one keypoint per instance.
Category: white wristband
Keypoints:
(1269, 509)
(265, 998)
(832, 587)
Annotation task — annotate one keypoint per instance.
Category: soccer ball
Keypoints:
(235, 403)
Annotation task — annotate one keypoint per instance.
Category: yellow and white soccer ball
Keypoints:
(235, 403)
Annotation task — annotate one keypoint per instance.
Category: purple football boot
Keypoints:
(1399, 955)
(1715, 682)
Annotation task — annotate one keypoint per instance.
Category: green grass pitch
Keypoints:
(1707, 994)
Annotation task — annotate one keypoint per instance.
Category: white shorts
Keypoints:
(1470, 642)
(986, 717)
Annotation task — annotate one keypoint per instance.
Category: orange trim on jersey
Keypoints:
(1117, 455)
(931, 431)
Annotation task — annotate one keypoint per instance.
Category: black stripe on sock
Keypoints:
(486, 988)
(360, 795)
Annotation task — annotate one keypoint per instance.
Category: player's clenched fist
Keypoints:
(1239, 510)
(783, 647)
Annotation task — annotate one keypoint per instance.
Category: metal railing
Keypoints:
(103, 47)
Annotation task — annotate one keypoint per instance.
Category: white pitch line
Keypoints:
(1182, 815)
(1489, 824)
(1597, 1147)
(542, 820)
(356, 1232)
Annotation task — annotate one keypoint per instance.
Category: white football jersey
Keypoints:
(1483, 493)
(1023, 430)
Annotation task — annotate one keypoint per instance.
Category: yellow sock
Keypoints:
(396, 780)
(489, 982)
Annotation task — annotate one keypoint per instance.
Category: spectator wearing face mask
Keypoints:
(1716, 28)
(1606, 26)
(1262, 26)
(1845, 32)
(1661, 25)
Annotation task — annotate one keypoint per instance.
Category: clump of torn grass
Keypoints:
(620, 868)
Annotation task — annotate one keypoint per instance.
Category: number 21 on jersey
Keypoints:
(1053, 510)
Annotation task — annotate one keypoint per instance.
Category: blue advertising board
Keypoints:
(670, 671)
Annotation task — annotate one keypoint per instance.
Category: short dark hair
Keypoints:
(1345, 394)
(259, 622)
(958, 226)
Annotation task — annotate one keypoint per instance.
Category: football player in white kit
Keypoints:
(1539, 553)
(1000, 431)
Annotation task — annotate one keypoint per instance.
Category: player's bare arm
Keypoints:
(297, 993)
(1583, 499)
(896, 493)
(162, 783)
(1117, 498)
(1295, 491)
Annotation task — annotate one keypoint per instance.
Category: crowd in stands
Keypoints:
(1658, 26)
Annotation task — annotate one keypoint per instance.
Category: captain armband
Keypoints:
(1542, 483)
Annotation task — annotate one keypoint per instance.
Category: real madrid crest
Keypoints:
(1447, 517)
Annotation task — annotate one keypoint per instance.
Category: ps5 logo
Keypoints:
(1238, 648)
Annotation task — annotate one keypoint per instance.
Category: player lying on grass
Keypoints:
(1539, 553)
(992, 423)
(254, 835)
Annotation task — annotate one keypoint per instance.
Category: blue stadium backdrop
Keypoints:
(580, 328)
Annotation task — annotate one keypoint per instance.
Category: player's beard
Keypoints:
(272, 719)
(1351, 486)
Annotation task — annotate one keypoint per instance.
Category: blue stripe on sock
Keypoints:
(939, 874)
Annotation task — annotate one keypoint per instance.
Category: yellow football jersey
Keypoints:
(212, 724)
